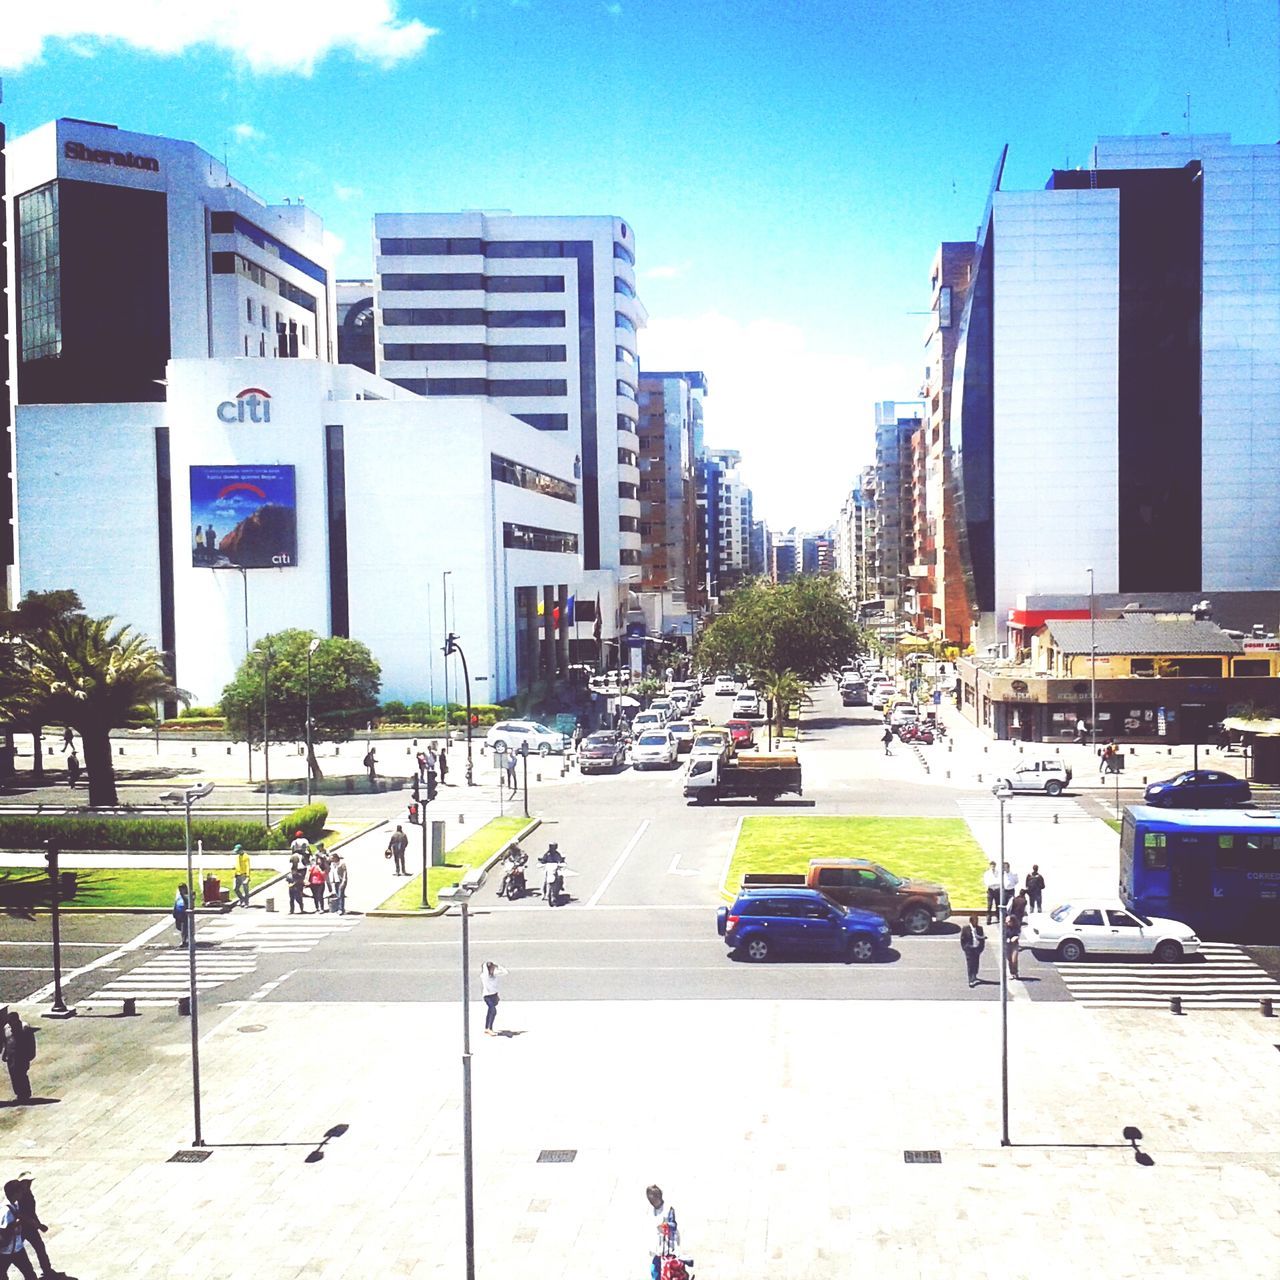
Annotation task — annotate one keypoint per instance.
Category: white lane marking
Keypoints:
(617, 866)
(62, 945)
(46, 992)
(675, 869)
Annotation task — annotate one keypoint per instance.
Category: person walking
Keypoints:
(68, 739)
(489, 975)
(973, 940)
(18, 1049)
(241, 875)
(31, 1225)
(398, 843)
(371, 764)
(12, 1252)
(991, 882)
(663, 1231)
(318, 880)
(296, 879)
(1012, 940)
(181, 913)
(73, 769)
(887, 738)
(338, 883)
(1035, 888)
(1018, 908)
(1082, 731)
(510, 767)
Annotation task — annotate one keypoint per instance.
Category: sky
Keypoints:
(789, 168)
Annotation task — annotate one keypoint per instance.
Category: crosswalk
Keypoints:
(226, 949)
(1021, 809)
(1224, 978)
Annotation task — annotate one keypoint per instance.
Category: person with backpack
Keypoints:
(370, 762)
(12, 1252)
(301, 846)
(182, 913)
(887, 738)
(18, 1049)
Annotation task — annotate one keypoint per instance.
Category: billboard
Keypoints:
(243, 517)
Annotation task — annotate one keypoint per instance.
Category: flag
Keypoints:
(595, 631)
(570, 610)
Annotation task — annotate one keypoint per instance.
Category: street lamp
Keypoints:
(1093, 665)
(451, 645)
(1002, 792)
(457, 894)
(187, 798)
(266, 741)
(311, 648)
(444, 614)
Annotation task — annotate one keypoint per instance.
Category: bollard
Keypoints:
(462, 818)
(948, 775)
(1268, 1008)
(1055, 819)
(228, 751)
(1175, 1005)
(193, 751)
(271, 905)
(184, 1006)
(979, 777)
(984, 751)
(120, 751)
(1144, 779)
(538, 777)
(130, 1007)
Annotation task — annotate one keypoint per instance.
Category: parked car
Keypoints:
(681, 702)
(647, 720)
(1198, 789)
(768, 922)
(653, 747)
(601, 751)
(746, 704)
(742, 732)
(684, 733)
(725, 686)
(513, 733)
(1107, 928)
(1049, 776)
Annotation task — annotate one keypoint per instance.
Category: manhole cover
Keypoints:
(922, 1157)
(253, 1026)
(556, 1157)
(188, 1157)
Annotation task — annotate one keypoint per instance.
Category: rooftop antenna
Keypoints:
(1187, 114)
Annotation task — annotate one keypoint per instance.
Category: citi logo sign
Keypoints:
(250, 405)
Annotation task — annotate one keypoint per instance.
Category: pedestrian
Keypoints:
(421, 760)
(887, 738)
(338, 883)
(1082, 731)
(12, 1253)
(296, 879)
(301, 846)
(1010, 884)
(31, 1224)
(991, 882)
(1012, 939)
(68, 739)
(371, 764)
(73, 769)
(577, 734)
(1018, 908)
(395, 849)
(664, 1233)
(242, 875)
(181, 913)
(489, 975)
(318, 879)
(1035, 887)
(443, 763)
(18, 1048)
(973, 940)
(511, 771)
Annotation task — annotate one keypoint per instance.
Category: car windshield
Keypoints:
(594, 741)
(542, 728)
(709, 740)
(1059, 914)
(896, 881)
(653, 739)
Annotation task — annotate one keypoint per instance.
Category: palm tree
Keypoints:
(77, 670)
(782, 690)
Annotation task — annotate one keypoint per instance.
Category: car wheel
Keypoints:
(861, 949)
(916, 920)
(544, 750)
(756, 948)
(1072, 951)
(1053, 788)
(1167, 952)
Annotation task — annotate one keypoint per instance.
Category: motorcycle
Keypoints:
(553, 884)
(513, 884)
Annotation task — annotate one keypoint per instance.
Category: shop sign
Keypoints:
(250, 405)
(121, 159)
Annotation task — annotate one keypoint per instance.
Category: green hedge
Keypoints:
(310, 819)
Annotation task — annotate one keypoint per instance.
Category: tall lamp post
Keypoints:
(266, 741)
(451, 645)
(187, 798)
(1002, 792)
(1093, 665)
(444, 615)
(457, 894)
(311, 648)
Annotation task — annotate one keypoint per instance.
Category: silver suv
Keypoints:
(1050, 776)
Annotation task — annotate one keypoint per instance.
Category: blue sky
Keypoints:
(789, 168)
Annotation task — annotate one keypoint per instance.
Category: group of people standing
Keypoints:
(317, 870)
(1019, 903)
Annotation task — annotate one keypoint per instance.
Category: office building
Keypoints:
(1117, 377)
(725, 513)
(758, 562)
(896, 425)
(356, 324)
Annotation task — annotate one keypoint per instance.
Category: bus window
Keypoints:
(1155, 856)
(1231, 853)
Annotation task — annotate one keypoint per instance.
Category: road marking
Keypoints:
(675, 869)
(46, 992)
(733, 847)
(617, 866)
(62, 945)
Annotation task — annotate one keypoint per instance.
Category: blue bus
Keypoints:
(1216, 870)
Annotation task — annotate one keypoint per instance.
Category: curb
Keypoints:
(524, 834)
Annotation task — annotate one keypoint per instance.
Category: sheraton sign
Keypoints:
(121, 159)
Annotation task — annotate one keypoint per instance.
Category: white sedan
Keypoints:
(1078, 929)
(725, 686)
(654, 747)
(514, 734)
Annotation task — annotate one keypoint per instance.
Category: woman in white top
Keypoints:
(489, 975)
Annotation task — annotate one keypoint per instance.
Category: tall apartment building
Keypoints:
(725, 518)
(670, 418)
(784, 560)
(1117, 377)
(129, 249)
(896, 424)
(758, 562)
(540, 316)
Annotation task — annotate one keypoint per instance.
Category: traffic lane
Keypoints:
(619, 960)
(26, 951)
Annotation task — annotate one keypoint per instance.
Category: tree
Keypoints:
(805, 626)
(782, 690)
(345, 683)
(78, 671)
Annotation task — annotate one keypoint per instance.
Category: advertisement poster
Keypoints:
(243, 517)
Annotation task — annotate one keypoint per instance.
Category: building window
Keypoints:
(626, 357)
(432, 315)
(526, 320)
(431, 280)
(627, 458)
(626, 490)
(524, 477)
(266, 318)
(545, 421)
(623, 254)
(626, 424)
(624, 322)
(622, 287)
(528, 249)
(527, 537)
(417, 385)
(456, 387)
(40, 286)
(434, 351)
(528, 387)
(524, 284)
(524, 354)
(1251, 667)
(246, 344)
(234, 263)
(304, 335)
(628, 555)
(248, 310)
(234, 224)
(628, 524)
(626, 390)
(944, 307)
(419, 247)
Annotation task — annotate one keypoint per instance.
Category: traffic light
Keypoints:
(417, 794)
(431, 785)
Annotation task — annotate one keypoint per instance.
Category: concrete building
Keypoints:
(1124, 320)
(129, 249)
(758, 564)
(896, 424)
(258, 498)
(356, 316)
(784, 560)
(539, 315)
(726, 518)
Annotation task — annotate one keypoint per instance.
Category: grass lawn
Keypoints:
(26, 887)
(939, 849)
(474, 851)
(1113, 823)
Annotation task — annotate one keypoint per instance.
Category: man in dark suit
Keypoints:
(972, 941)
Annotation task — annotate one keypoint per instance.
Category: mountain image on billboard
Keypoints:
(243, 517)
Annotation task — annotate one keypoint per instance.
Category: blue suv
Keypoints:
(766, 922)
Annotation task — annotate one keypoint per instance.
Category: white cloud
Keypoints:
(347, 193)
(803, 418)
(246, 133)
(668, 272)
(614, 10)
(283, 36)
